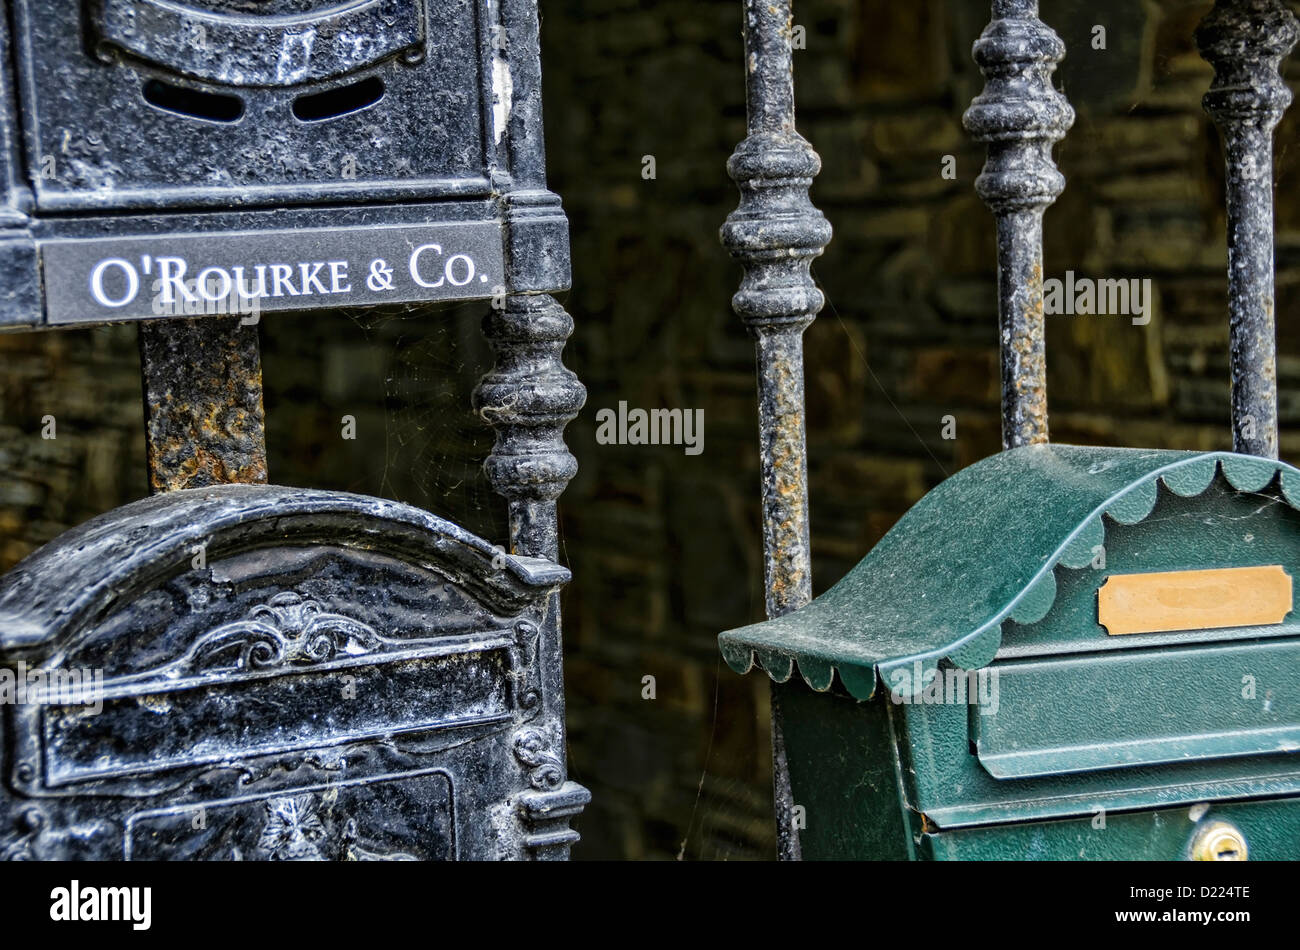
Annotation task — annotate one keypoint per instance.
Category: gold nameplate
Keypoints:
(1194, 600)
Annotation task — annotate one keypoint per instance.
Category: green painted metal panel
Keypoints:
(1065, 715)
(944, 780)
(844, 779)
(1271, 830)
(1219, 527)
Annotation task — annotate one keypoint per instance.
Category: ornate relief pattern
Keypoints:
(287, 630)
(21, 847)
(295, 831)
(545, 770)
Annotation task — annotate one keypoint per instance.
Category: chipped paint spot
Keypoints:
(295, 57)
(502, 97)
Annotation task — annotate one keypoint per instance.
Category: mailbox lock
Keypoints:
(1219, 841)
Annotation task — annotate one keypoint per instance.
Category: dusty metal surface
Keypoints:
(202, 403)
(776, 233)
(150, 139)
(336, 678)
(1020, 116)
(1245, 41)
(974, 708)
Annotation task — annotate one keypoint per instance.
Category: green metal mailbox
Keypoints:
(1058, 653)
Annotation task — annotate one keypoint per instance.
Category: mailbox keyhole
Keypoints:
(342, 100)
(210, 106)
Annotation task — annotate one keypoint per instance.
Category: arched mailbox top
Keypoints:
(980, 549)
(65, 586)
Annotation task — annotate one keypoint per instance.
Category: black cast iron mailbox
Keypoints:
(338, 677)
(229, 669)
(210, 154)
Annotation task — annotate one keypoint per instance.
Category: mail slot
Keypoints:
(958, 695)
(166, 159)
(250, 672)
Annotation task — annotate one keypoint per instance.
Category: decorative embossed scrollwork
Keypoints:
(351, 851)
(28, 823)
(288, 629)
(545, 768)
(527, 682)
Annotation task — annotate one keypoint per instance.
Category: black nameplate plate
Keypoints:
(102, 280)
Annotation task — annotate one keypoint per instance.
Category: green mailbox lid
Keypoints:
(979, 549)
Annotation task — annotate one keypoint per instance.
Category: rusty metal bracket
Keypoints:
(204, 422)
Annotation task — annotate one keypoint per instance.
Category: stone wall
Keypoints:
(664, 545)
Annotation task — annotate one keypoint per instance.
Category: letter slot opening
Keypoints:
(340, 101)
(193, 103)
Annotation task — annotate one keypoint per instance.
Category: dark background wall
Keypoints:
(664, 546)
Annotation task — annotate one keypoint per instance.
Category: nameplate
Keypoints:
(106, 280)
(1194, 600)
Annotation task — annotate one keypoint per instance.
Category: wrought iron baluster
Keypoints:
(528, 398)
(1245, 41)
(1020, 116)
(204, 421)
(775, 233)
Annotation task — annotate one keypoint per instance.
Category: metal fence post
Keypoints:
(1020, 116)
(775, 233)
(528, 398)
(1245, 41)
(204, 420)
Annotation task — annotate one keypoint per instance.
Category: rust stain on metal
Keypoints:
(1024, 370)
(785, 481)
(203, 403)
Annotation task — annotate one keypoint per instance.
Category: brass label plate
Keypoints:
(1194, 600)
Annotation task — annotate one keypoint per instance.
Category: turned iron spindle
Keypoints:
(1020, 116)
(1245, 41)
(528, 398)
(775, 233)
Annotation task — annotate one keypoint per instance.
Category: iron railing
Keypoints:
(776, 232)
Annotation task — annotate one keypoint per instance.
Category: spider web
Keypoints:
(434, 444)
